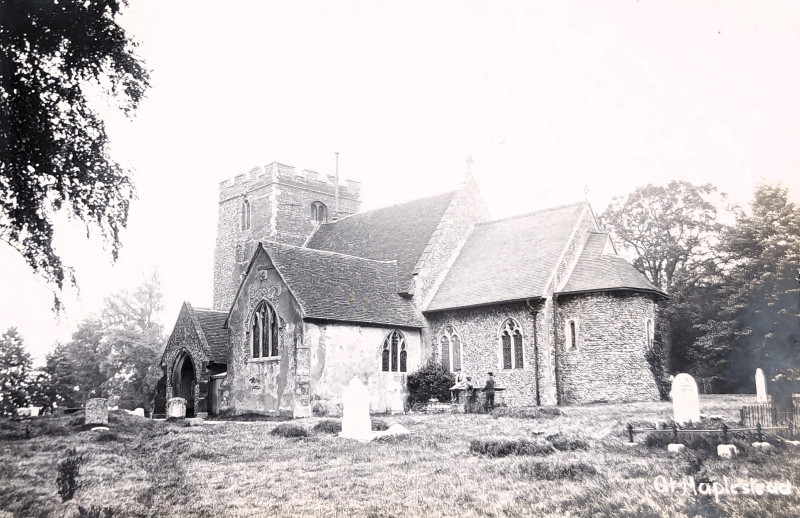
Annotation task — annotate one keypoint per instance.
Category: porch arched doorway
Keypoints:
(184, 380)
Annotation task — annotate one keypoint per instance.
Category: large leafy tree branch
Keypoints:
(669, 229)
(53, 147)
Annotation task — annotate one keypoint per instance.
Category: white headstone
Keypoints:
(761, 387)
(356, 423)
(139, 412)
(685, 402)
(176, 408)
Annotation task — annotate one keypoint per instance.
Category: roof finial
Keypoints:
(469, 164)
(586, 192)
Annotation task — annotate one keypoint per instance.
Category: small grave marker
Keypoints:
(96, 411)
(176, 408)
(761, 387)
(685, 399)
(356, 423)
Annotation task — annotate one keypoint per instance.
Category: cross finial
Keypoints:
(586, 192)
(469, 164)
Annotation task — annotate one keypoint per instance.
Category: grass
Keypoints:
(242, 469)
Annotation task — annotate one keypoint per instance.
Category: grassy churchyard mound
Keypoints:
(525, 462)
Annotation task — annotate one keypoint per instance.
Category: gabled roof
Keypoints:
(509, 259)
(399, 232)
(596, 271)
(211, 323)
(333, 286)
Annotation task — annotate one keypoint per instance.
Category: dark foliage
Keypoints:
(53, 148)
(106, 436)
(430, 381)
(95, 512)
(506, 447)
(67, 479)
(331, 426)
(289, 430)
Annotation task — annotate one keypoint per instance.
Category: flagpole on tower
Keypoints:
(336, 188)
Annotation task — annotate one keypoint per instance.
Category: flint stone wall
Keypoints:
(609, 362)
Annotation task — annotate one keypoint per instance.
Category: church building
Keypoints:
(310, 292)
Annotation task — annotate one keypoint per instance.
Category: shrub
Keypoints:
(319, 409)
(550, 471)
(329, 426)
(562, 442)
(67, 479)
(430, 381)
(106, 437)
(505, 447)
(379, 425)
(289, 430)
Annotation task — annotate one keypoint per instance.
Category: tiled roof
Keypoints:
(211, 323)
(333, 286)
(400, 232)
(509, 259)
(595, 271)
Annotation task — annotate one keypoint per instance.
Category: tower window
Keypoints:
(649, 332)
(246, 215)
(394, 356)
(319, 212)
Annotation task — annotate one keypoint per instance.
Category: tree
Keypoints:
(759, 310)
(115, 354)
(669, 230)
(15, 367)
(54, 56)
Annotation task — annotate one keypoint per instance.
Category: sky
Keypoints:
(555, 102)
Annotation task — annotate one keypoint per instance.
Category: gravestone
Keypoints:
(97, 411)
(139, 412)
(761, 387)
(356, 423)
(685, 401)
(176, 408)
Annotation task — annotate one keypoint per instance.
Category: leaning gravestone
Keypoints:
(176, 408)
(685, 402)
(356, 423)
(761, 387)
(96, 411)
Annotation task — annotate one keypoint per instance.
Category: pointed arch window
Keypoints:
(246, 214)
(264, 332)
(511, 345)
(451, 349)
(319, 212)
(394, 355)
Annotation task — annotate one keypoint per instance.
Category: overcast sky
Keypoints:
(551, 100)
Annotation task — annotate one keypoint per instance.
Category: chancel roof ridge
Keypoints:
(533, 213)
(328, 252)
(386, 207)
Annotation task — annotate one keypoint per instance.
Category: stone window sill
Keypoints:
(264, 360)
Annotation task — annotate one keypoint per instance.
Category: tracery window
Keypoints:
(264, 331)
(571, 332)
(511, 345)
(319, 212)
(451, 351)
(394, 356)
(246, 215)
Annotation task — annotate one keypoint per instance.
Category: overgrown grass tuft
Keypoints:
(67, 479)
(506, 447)
(331, 426)
(527, 412)
(106, 436)
(289, 430)
(563, 442)
(556, 471)
(379, 425)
